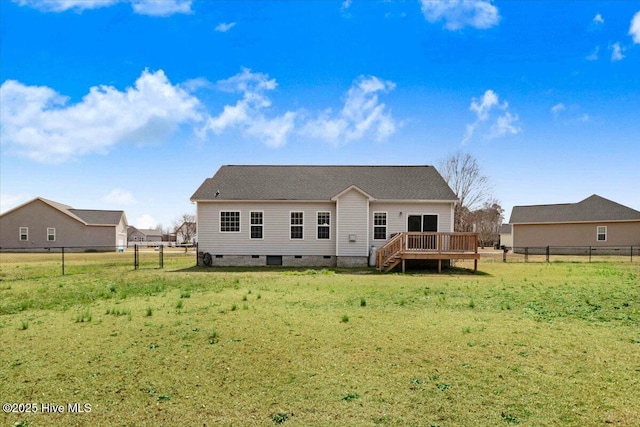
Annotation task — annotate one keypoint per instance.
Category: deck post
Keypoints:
(475, 265)
(403, 266)
(439, 266)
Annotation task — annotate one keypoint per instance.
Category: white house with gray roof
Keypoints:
(593, 222)
(41, 223)
(315, 215)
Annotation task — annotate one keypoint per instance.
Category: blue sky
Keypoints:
(131, 104)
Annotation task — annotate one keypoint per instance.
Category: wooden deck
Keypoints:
(427, 246)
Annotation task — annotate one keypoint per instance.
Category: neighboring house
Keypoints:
(506, 238)
(42, 223)
(315, 215)
(186, 234)
(593, 222)
(139, 235)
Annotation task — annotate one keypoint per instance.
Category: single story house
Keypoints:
(506, 238)
(140, 235)
(186, 234)
(594, 222)
(315, 215)
(40, 224)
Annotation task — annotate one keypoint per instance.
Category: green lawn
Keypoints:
(517, 344)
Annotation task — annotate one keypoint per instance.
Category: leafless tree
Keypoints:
(185, 228)
(462, 173)
(487, 221)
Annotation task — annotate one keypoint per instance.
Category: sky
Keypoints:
(131, 104)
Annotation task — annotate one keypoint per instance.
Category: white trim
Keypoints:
(598, 233)
(256, 225)
(386, 226)
(54, 234)
(296, 225)
(352, 187)
(337, 227)
(20, 234)
(239, 222)
(599, 221)
(318, 225)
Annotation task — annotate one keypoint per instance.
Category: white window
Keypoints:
(51, 234)
(297, 225)
(229, 221)
(380, 226)
(256, 225)
(324, 225)
(601, 233)
(24, 234)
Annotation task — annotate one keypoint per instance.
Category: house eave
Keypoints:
(599, 221)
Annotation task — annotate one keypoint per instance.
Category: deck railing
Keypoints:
(427, 242)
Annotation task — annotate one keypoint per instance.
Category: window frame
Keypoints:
(260, 225)
(599, 233)
(51, 234)
(228, 225)
(385, 226)
(326, 225)
(296, 225)
(25, 234)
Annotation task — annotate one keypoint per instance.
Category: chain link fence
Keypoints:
(31, 263)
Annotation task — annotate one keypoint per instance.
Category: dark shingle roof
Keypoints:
(323, 183)
(96, 217)
(505, 229)
(593, 208)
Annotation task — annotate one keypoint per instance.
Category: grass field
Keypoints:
(517, 344)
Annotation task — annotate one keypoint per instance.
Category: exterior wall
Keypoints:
(583, 234)
(397, 214)
(38, 216)
(506, 240)
(352, 261)
(276, 229)
(353, 214)
(121, 234)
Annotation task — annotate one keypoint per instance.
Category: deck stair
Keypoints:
(427, 246)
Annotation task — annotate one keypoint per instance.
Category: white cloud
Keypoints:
(362, 114)
(598, 19)
(142, 7)
(146, 221)
(247, 114)
(118, 196)
(593, 56)
(37, 122)
(223, 27)
(556, 109)
(457, 14)
(161, 7)
(634, 28)
(616, 52)
(504, 125)
(485, 109)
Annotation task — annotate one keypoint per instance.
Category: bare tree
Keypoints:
(185, 228)
(487, 221)
(462, 173)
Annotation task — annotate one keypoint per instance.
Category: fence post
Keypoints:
(589, 253)
(631, 253)
(526, 254)
(161, 254)
(197, 254)
(135, 257)
(547, 253)
(63, 260)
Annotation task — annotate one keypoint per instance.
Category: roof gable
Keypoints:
(591, 209)
(85, 216)
(323, 183)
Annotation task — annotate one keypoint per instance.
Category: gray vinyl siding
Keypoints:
(353, 209)
(276, 229)
(38, 216)
(397, 213)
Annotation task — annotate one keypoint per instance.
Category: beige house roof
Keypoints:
(591, 209)
(324, 183)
